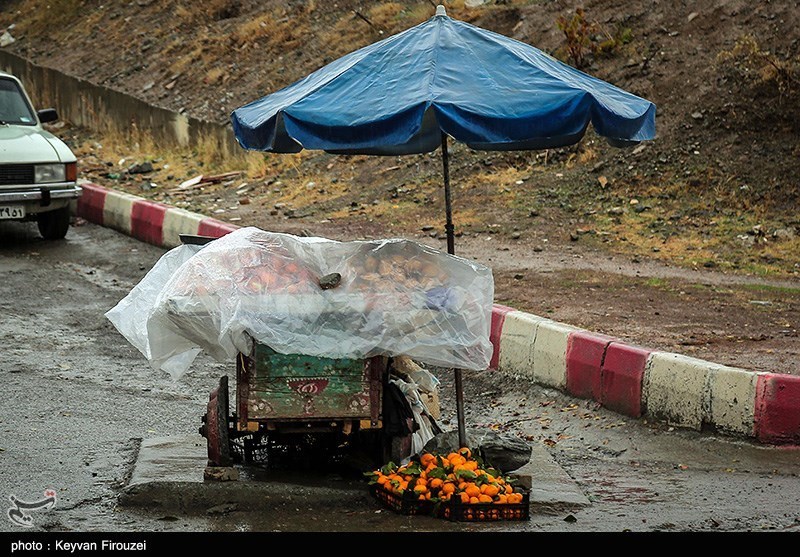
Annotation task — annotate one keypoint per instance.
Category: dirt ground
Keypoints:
(737, 320)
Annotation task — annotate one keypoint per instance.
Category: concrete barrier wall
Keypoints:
(106, 110)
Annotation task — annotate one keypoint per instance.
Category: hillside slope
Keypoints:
(717, 188)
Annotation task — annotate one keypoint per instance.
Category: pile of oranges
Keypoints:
(456, 476)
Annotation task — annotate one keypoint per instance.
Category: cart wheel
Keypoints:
(216, 426)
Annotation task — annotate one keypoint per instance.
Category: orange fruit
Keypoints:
(502, 499)
(464, 497)
(427, 458)
(456, 458)
(472, 490)
(509, 489)
(465, 452)
(471, 465)
(435, 483)
(484, 498)
(474, 500)
(448, 488)
(490, 490)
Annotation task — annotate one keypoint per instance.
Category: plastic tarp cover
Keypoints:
(395, 297)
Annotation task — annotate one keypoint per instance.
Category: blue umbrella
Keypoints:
(407, 93)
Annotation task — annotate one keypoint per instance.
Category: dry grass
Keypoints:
(42, 16)
(216, 74)
(254, 30)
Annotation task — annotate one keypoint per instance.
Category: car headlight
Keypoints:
(46, 173)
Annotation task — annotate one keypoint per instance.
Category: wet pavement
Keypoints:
(81, 404)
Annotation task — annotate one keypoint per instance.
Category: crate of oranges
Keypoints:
(456, 486)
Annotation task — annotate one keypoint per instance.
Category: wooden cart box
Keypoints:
(288, 387)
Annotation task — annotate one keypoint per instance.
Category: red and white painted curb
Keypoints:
(148, 221)
(631, 380)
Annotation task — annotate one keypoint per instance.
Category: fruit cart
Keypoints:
(284, 401)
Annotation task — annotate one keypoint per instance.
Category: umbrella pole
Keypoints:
(448, 207)
(448, 227)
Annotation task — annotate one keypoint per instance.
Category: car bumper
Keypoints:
(43, 194)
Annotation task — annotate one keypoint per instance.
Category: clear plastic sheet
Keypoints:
(395, 297)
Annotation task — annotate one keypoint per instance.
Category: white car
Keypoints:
(38, 172)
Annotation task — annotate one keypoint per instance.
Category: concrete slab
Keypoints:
(177, 222)
(516, 343)
(675, 388)
(168, 475)
(551, 487)
(550, 353)
(733, 395)
(170, 459)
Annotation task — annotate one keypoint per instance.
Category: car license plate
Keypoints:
(12, 211)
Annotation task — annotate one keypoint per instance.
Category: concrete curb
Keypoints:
(631, 380)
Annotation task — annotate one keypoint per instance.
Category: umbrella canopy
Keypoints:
(399, 95)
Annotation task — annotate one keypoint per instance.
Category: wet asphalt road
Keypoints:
(78, 399)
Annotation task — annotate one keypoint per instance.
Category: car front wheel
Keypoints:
(53, 225)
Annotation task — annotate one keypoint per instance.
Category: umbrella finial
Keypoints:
(440, 10)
